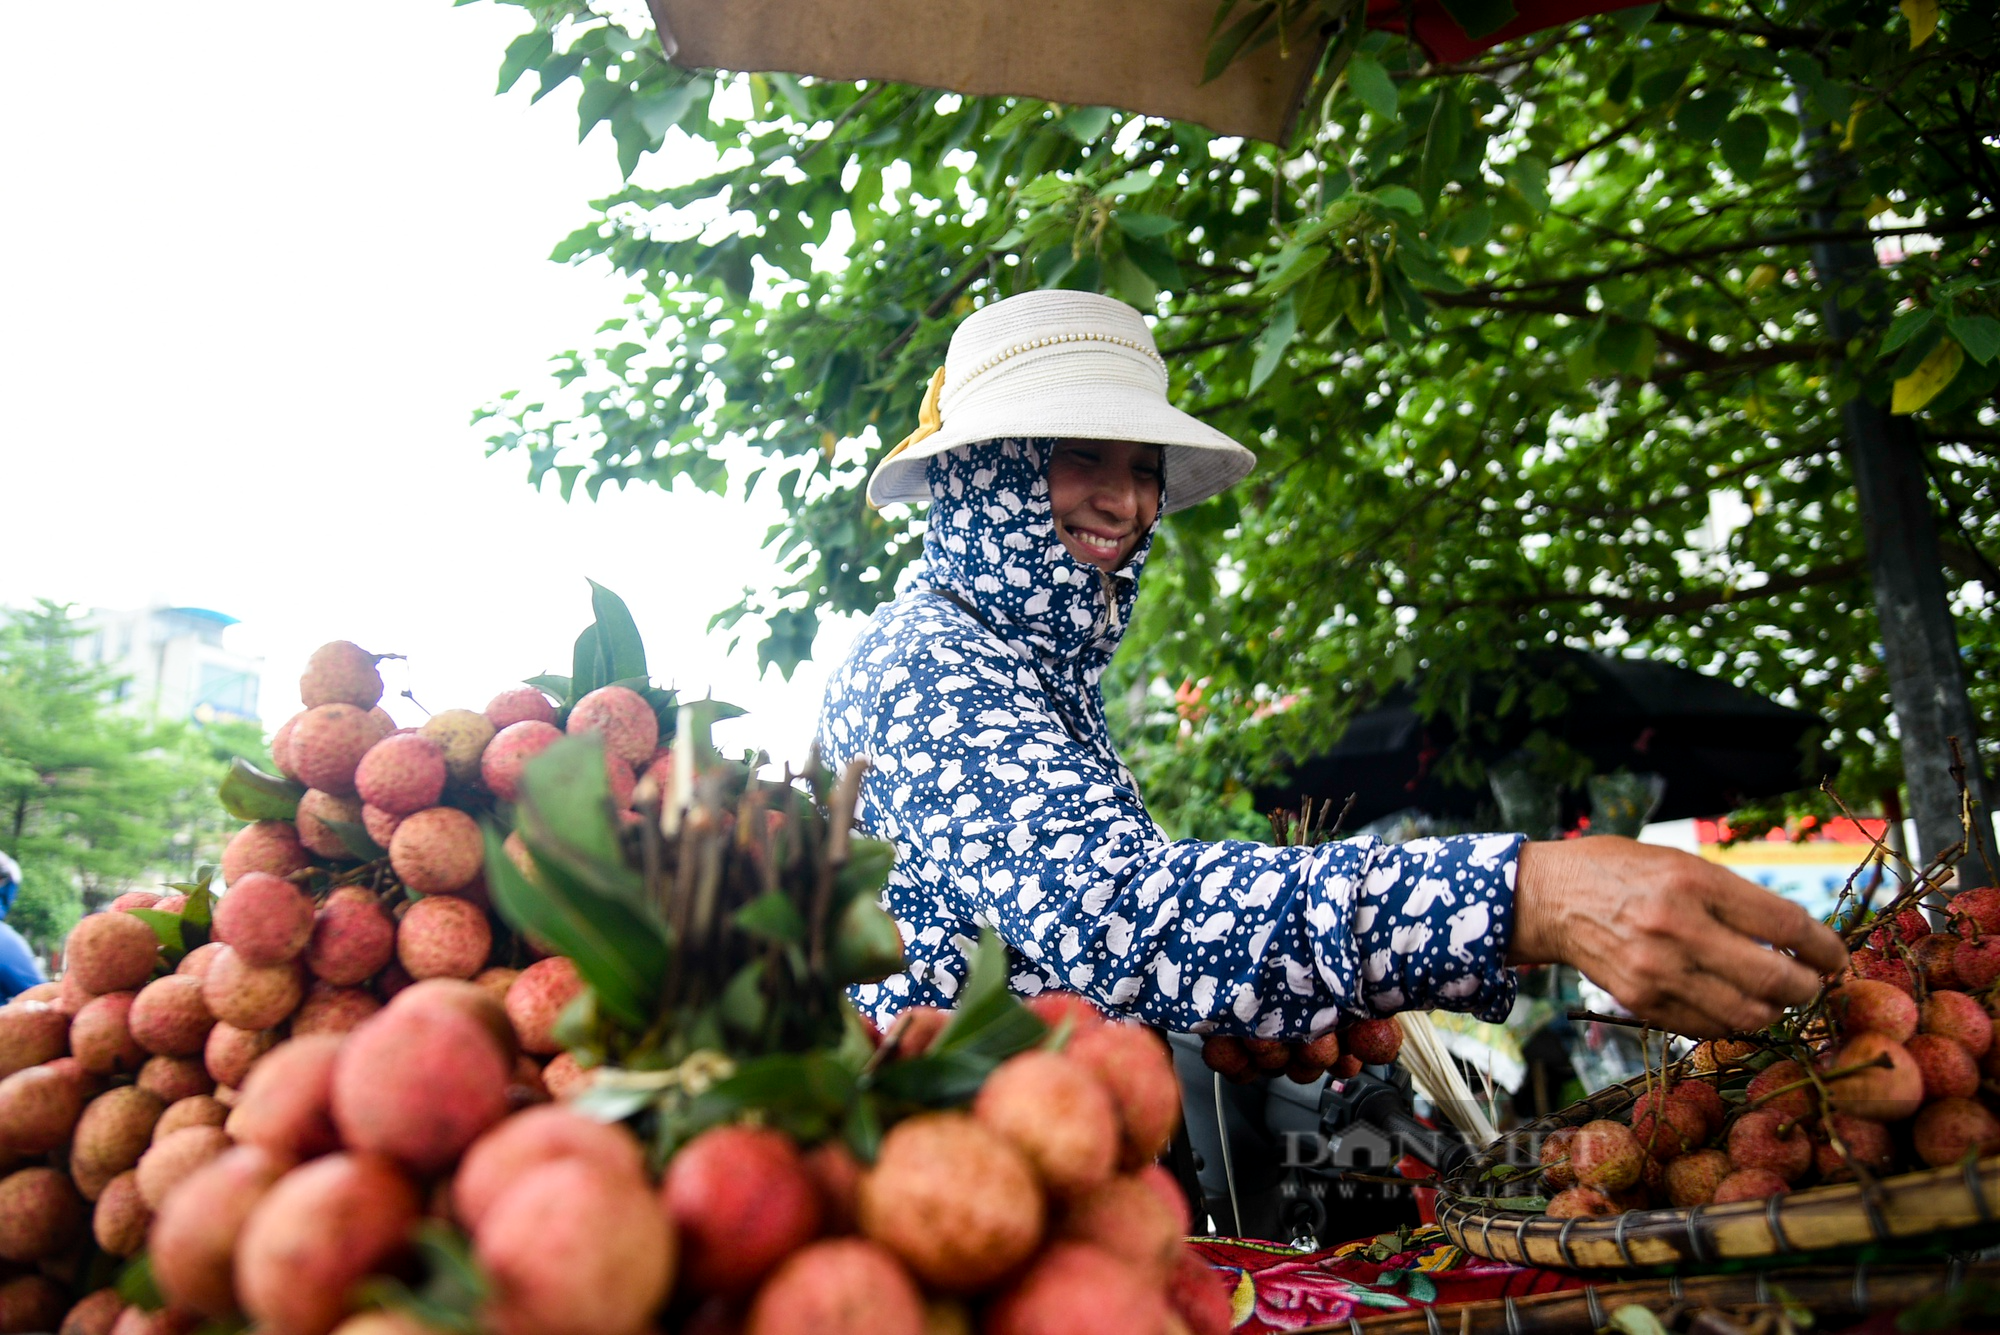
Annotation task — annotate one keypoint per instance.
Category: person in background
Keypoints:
(19, 969)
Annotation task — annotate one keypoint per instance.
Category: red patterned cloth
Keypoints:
(1278, 1289)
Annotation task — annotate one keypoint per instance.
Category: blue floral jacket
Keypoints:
(995, 777)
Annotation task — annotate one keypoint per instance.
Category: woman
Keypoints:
(1047, 452)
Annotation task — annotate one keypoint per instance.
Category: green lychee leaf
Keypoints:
(354, 837)
(248, 793)
(166, 926)
(990, 1021)
(587, 668)
(618, 642)
(548, 684)
(772, 917)
(137, 1287)
(564, 815)
(867, 946)
(621, 954)
(807, 1094)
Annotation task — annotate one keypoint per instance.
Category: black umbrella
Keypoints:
(1717, 746)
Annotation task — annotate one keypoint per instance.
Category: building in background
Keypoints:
(174, 663)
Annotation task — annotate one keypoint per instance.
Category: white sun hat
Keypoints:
(1065, 364)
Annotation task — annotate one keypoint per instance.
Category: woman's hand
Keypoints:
(1679, 941)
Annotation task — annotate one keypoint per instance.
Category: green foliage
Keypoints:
(94, 801)
(1532, 348)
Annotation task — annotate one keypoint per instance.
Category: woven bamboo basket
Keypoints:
(1827, 1291)
(1905, 1208)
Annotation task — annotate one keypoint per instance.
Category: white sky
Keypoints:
(258, 265)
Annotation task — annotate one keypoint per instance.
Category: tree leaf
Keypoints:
(1372, 84)
(552, 685)
(564, 815)
(588, 670)
(1922, 385)
(166, 926)
(867, 946)
(1979, 335)
(1907, 325)
(1923, 17)
(1271, 344)
(1700, 117)
(524, 53)
(772, 917)
(989, 1021)
(248, 793)
(617, 634)
(1745, 140)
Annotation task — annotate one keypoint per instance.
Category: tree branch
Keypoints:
(1771, 34)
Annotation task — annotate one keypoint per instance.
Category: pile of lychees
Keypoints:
(271, 1104)
(1340, 1052)
(1891, 1070)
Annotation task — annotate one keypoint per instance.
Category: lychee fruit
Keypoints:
(1693, 1178)
(1375, 1042)
(522, 704)
(1869, 964)
(1554, 1155)
(1606, 1155)
(195, 1110)
(1201, 1295)
(1128, 1219)
(915, 1028)
(341, 673)
(462, 735)
(956, 1201)
(171, 1079)
(468, 998)
(537, 998)
(437, 851)
(1867, 1006)
(1054, 1007)
(120, 1221)
(286, 1104)
(741, 1200)
(419, 1083)
(101, 1035)
(1952, 1128)
(621, 714)
(230, 1052)
(841, 1286)
(133, 899)
(251, 996)
(333, 1010)
(497, 980)
(1936, 958)
(510, 751)
(1226, 1056)
(565, 1077)
(317, 814)
(352, 938)
(114, 1130)
(1714, 1054)
(40, 1215)
(1765, 1139)
(837, 1175)
(1750, 1184)
(32, 1302)
(1794, 1103)
(1666, 1128)
(1882, 1095)
(1958, 1017)
(1948, 1070)
(39, 1108)
(381, 825)
(1074, 1286)
(530, 1139)
(269, 846)
(111, 952)
(1580, 1203)
(570, 1248)
(31, 1033)
(1904, 928)
(281, 747)
(1135, 1066)
(195, 963)
(193, 1239)
(1974, 912)
(1867, 1144)
(315, 1234)
(1705, 1101)
(442, 936)
(401, 774)
(327, 744)
(1977, 963)
(172, 1159)
(92, 1315)
(1058, 1113)
(265, 919)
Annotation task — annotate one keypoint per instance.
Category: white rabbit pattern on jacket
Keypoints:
(995, 777)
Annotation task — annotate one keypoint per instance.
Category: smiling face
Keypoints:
(1105, 494)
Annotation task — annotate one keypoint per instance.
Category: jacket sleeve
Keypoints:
(1034, 834)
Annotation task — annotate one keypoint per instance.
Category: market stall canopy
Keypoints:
(1716, 745)
(1146, 56)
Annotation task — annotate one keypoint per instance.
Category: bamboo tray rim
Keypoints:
(1835, 1215)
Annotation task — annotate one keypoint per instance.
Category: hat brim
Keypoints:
(1201, 461)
